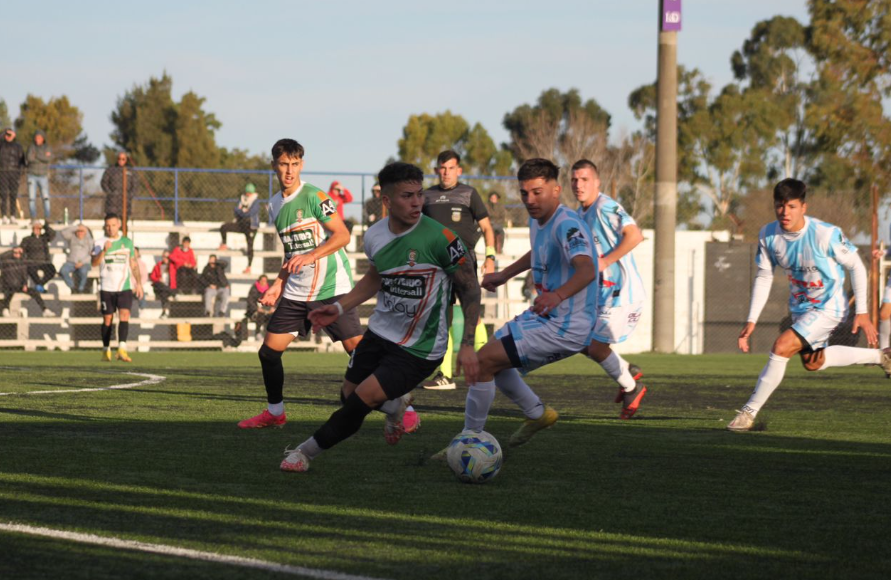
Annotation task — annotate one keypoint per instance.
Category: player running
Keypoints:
(415, 262)
(622, 292)
(814, 255)
(315, 272)
(118, 281)
(561, 318)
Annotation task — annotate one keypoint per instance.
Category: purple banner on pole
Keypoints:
(671, 15)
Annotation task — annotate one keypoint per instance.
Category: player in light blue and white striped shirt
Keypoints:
(814, 256)
(622, 292)
(559, 323)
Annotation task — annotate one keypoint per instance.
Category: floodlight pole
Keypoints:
(665, 211)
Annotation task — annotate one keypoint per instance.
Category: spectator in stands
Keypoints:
(39, 158)
(80, 247)
(143, 274)
(341, 196)
(247, 221)
(255, 311)
(14, 279)
(12, 160)
(37, 255)
(163, 283)
(113, 186)
(183, 271)
(498, 217)
(216, 286)
(373, 207)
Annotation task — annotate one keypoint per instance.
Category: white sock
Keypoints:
(616, 367)
(479, 401)
(767, 383)
(512, 384)
(390, 407)
(122, 345)
(310, 448)
(843, 356)
(276, 408)
(884, 333)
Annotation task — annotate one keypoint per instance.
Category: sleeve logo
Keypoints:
(328, 208)
(575, 238)
(456, 251)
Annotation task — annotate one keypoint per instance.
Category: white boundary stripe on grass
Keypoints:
(182, 552)
(150, 380)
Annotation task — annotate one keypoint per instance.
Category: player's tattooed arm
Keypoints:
(467, 288)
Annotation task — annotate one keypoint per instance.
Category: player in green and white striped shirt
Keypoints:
(415, 261)
(315, 272)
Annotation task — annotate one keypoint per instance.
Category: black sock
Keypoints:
(106, 335)
(123, 330)
(343, 423)
(273, 374)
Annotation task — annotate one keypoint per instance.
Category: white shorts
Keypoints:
(616, 323)
(815, 326)
(532, 341)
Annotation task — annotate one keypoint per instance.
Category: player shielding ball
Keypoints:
(561, 318)
(118, 281)
(415, 261)
(814, 255)
(622, 293)
(315, 272)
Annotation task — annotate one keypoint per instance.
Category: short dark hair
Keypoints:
(446, 156)
(399, 172)
(789, 189)
(583, 163)
(214, 256)
(287, 147)
(112, 215)
(186, 239)
(495, 193)
(538, 167)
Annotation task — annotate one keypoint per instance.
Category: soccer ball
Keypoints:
(474, 457)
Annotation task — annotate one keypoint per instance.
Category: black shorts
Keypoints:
(111, 301)
(395, 369)
(292, 317)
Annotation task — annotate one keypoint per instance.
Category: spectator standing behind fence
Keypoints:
(341, 196)
(374, 207)
(14, 279)
(79, 247)
(37, 255)
(12, 160)
(183, 273)
(247, 221)
(255, 311)
(163, 283)
(113, 186)
(39, 158)
(498, 218)
(216, 286)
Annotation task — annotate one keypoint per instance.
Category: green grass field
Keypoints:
(670, 494)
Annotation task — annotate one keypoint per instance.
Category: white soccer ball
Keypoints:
(474, 457)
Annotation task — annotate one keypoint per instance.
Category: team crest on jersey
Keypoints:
(412, 257)
(299, 215)
(327, 207)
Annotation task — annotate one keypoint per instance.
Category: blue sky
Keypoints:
(343, 77)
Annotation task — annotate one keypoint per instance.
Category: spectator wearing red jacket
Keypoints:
(161, 282)
(183, 268)
(341, 196)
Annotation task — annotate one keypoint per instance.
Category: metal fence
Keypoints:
(180, 195)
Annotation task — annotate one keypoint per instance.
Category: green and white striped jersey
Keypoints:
(298, 219)
(415, 269)
(114, 270)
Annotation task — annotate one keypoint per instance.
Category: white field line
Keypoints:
(150, 380)
(181, 552)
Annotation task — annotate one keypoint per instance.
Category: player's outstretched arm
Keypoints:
(494, 280)
(468, 291)
(361, 292)
(584, 274)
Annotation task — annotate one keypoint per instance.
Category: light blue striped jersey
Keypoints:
(812, 259)
(554, 245)
(620, 283)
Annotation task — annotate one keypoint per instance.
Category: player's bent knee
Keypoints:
(813, 361)
(269, 354)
